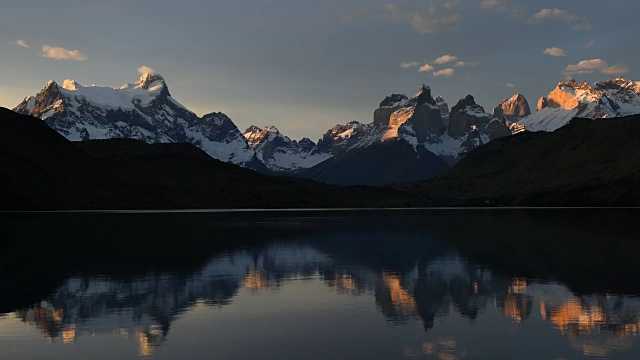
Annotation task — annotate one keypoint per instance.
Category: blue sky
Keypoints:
(306, 65)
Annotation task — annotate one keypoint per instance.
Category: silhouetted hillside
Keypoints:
(586, 163)
(383, 163)
(43, 170)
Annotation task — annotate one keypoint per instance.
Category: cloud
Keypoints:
(445, 59)
(579, 23)
(504, 6)
(554, 14)
(586, 67)
(59, 53)
(354, 14)
(589, 45)
(555, 51)
(583, 26)
(493, 5)
(460, 64)
(616, 70)
(426, 68)
(143, 70)
(426, 22)
(409, 65)
(23, 44)
(509, 85)
(596, 65)
(445, 72)
(451, 5)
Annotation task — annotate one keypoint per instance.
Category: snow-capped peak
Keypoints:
(148, 81)
(49, 84)
(256, 135)
(142, 110)
(394, 100)
(607, 99)
(71, 85)
(272, 129)
(469, 106)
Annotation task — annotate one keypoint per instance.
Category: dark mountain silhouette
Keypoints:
(586, 163)
(42, 170)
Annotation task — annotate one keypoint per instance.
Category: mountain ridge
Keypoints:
(44, 171)
(145, 110)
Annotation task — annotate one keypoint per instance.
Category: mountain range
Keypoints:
(410, 139)
(43, 170)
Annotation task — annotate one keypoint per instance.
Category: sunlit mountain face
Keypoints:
(416, 294)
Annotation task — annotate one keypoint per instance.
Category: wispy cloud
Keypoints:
(589, 45)
(616, 70)
(494, 5)
(554, 14)
(354, 14)
(460, 64)
(451, 5)
(428, 21)
(596, 65)
(586, 67)
(510, 85)
(426, 68)
(143, 70)
(409, 64)
(555, 51)
(59, 53)
(579, 23)
(445, 59)
(444, 72)
(503, 7)
(584, 25)
(23, 44)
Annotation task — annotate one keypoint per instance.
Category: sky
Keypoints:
(306, 65)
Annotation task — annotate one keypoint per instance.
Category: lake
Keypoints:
(422, 284)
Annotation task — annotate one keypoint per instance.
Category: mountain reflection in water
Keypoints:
(406, 276)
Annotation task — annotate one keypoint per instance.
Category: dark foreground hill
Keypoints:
(380, 164)
(41, 170)
(586, 163)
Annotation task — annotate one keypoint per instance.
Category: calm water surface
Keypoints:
(323, 287)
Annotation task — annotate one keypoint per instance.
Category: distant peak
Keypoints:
(574, 84)
(424, 96)
(394, 100)
(252, 129)
(71, 85)
(147, 79)
(468, 100)
(49, 84)
(272, 129)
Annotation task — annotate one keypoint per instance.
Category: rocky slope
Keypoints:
(514, 109)
(279, 153)
(143, 110)
(608, 99)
